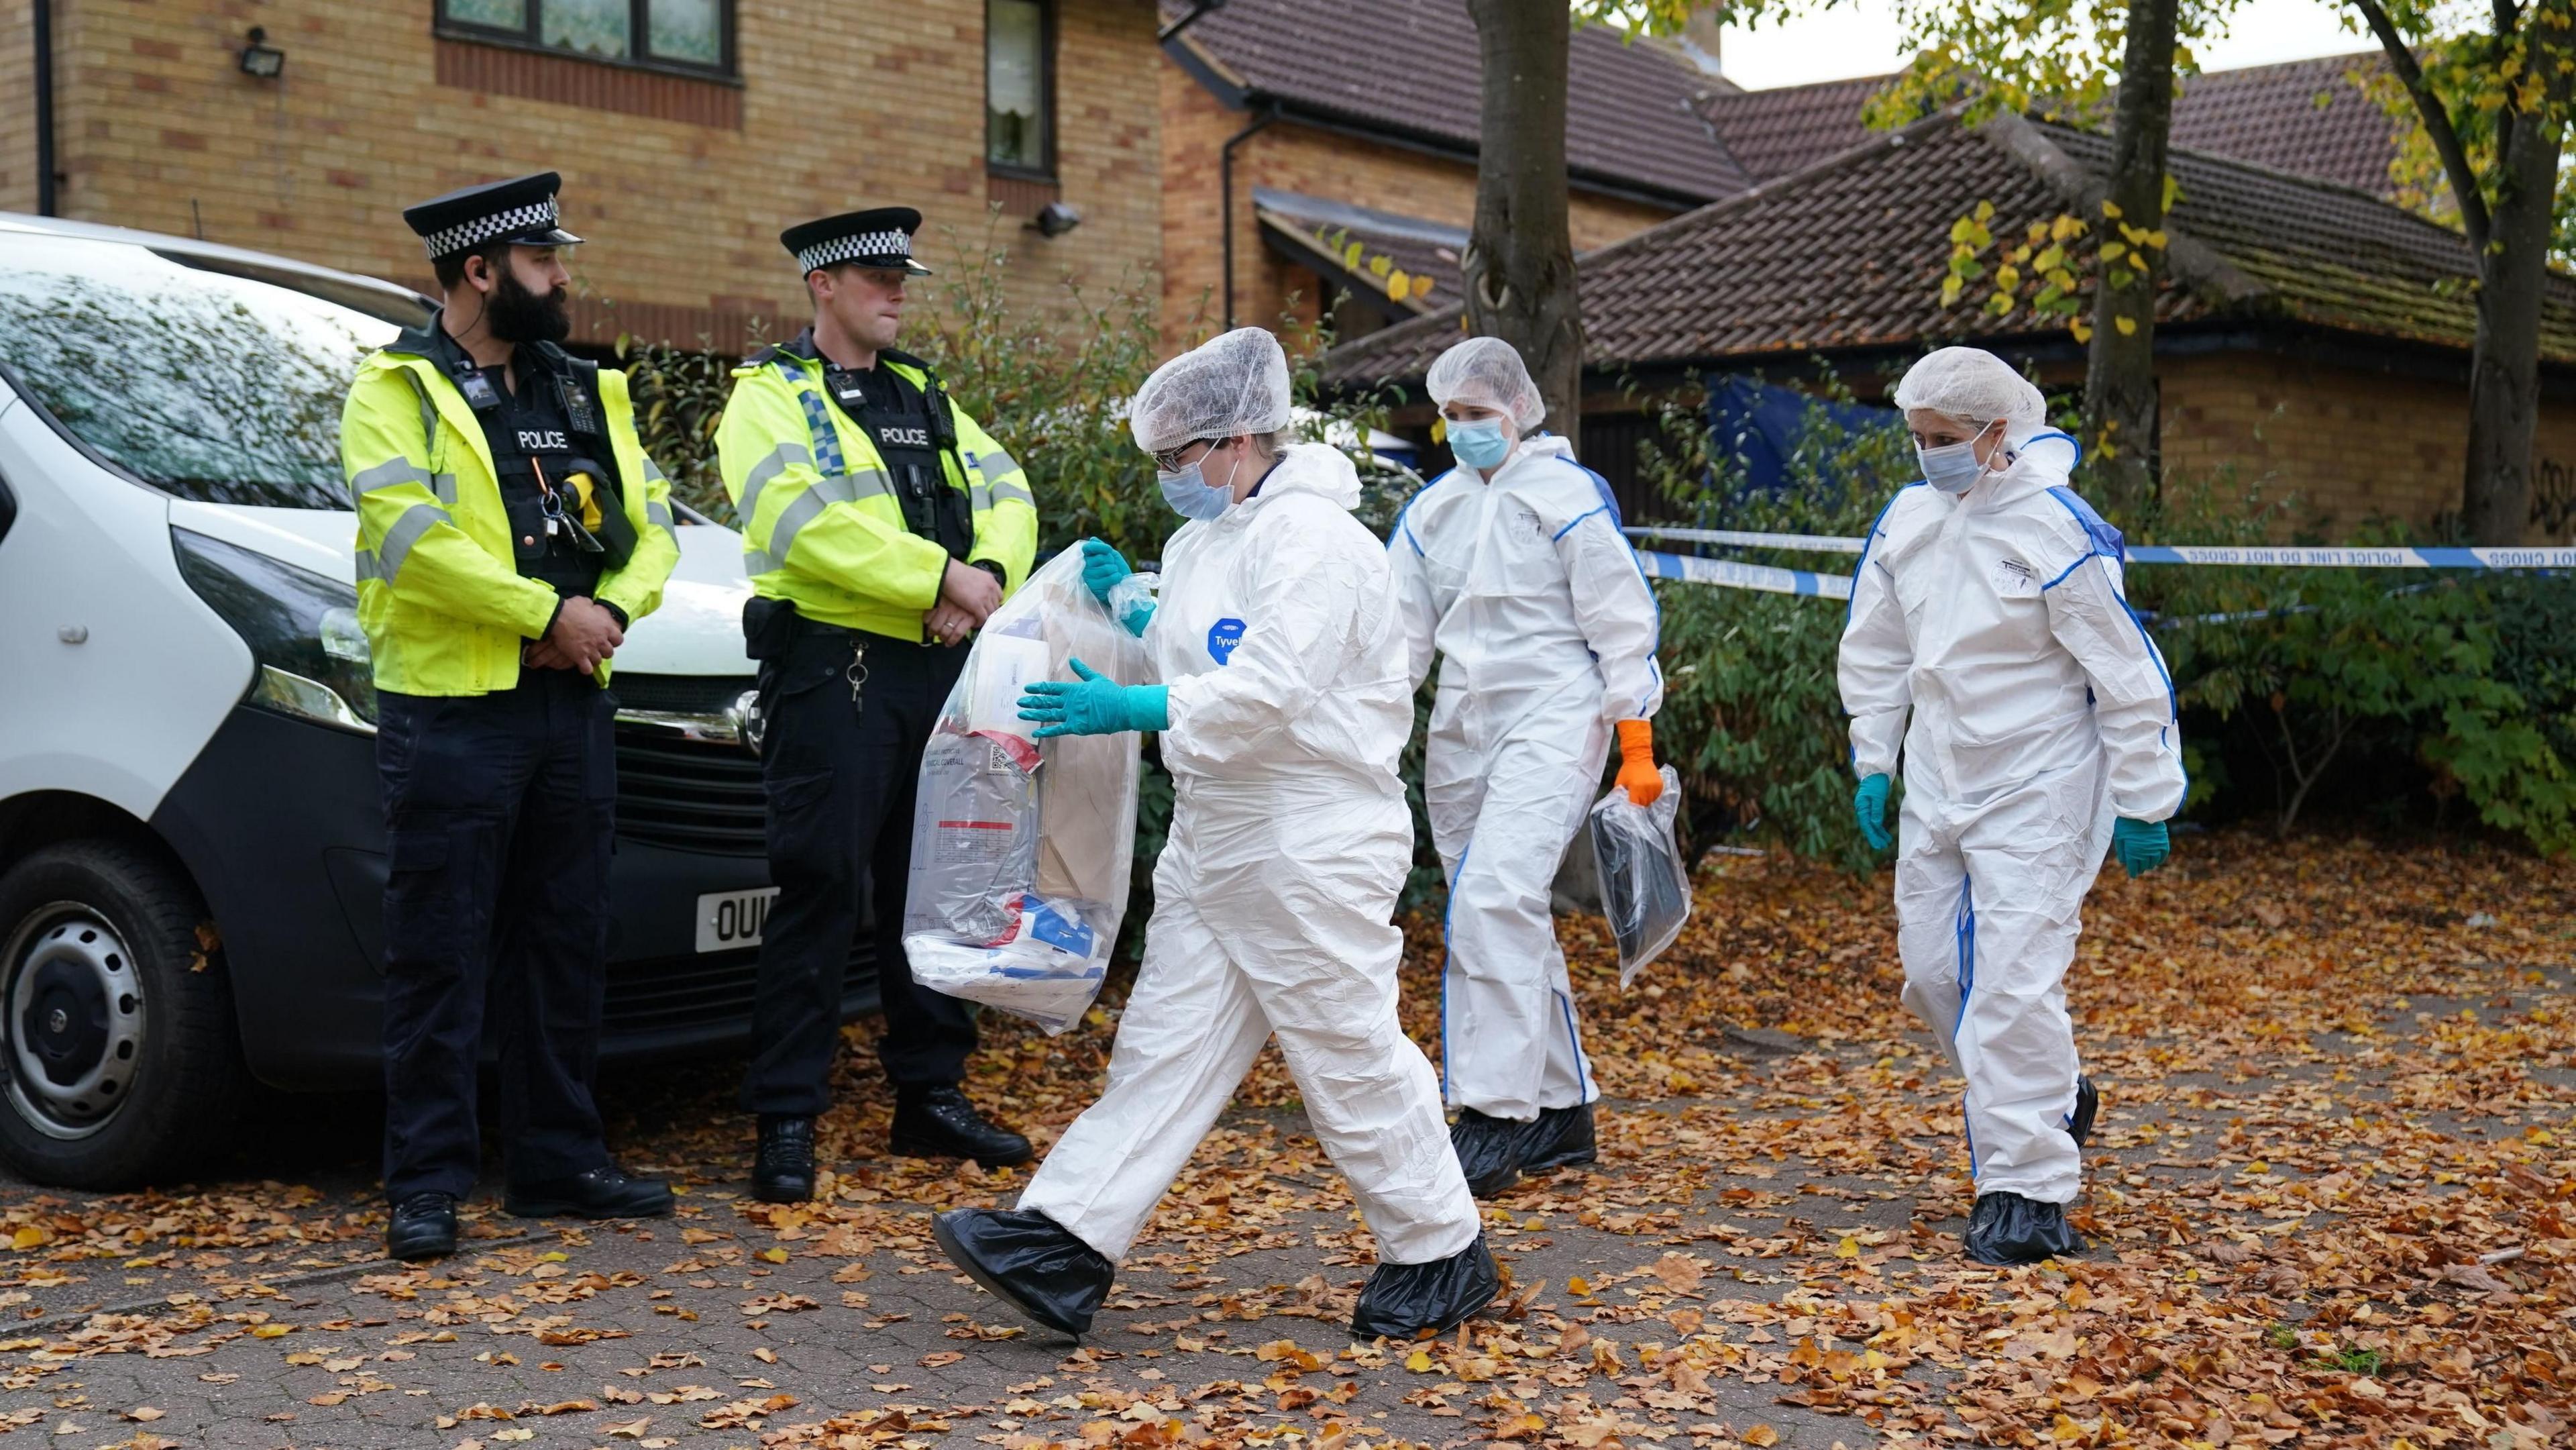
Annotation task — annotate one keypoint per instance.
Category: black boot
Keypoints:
(940, 1123)
(2079, 1125)
(1560, 1138)
(603, 1192)
(1403, 1301)
(783, 1170)
(2006, 1228)
(422, 1226)
(1489, 1151)
(1030, 1262)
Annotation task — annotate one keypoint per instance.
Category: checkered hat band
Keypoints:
(852, 248)
(533, 216)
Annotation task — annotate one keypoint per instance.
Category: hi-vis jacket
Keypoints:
(821, 525)
(441, 599)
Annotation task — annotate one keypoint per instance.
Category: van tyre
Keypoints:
(119, 1064)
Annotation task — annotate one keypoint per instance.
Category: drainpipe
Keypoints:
(44, 108)
(1225, 183)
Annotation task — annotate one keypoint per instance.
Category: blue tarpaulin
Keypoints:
(1758, 423)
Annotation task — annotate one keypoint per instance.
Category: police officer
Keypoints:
(510, 529)
(880, 527)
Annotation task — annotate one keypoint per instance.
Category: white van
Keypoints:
(192, 853)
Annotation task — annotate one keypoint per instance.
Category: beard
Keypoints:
(516, 314)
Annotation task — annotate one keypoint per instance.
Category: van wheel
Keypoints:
(117, 1039)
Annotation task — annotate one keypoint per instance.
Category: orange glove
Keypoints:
(1637, 773)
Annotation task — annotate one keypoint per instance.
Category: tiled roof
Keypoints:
(1424, 253)
(1408, 68)
(1850, 255)
(2306, 116)
(1771, 134)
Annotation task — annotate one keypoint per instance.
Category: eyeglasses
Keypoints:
(1169, 460)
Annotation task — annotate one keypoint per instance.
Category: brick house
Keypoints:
(1307, 142)
(688, 132)
(2312, 337)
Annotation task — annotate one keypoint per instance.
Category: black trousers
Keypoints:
(841, 774)
(500, 809)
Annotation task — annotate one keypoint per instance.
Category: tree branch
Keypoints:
(2437, 124)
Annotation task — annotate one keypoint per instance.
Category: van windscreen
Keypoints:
(211, 386)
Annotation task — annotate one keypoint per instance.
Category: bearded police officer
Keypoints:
(510, 529)
(880, 527)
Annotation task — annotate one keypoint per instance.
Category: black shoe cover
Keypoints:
(1560, 1138)
(1029, 1262)
(2006, 1228)
(1489, 1151)
(1403, 1300)
(2079, 1125)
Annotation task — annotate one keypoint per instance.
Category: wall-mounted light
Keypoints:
(1055, 219)
(259, 59)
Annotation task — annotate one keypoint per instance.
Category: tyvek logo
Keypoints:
(1223, 636)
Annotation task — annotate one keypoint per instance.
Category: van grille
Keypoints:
(688, 795)
(694, 995)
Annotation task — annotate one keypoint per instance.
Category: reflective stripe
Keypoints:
(367, 569)
(801, 510)
(851, 487)
(995, 464)
(444, 485)
(417, 520)
(653, 471)
(1020, 491)
(392, 473)
(780, 459)
(659, 515)
(756, 562)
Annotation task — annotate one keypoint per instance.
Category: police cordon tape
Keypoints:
(2288, 557)
(1728, 573)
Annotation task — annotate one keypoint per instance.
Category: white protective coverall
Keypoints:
(2042, 712)
(1547, 630)
(1276, 633)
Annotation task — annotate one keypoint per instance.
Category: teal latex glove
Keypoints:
(1869, 806)
(1102, 568)
(1094, 705)
(2140, 846)
(1138, 615)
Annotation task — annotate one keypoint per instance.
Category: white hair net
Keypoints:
(1974, 386)
(1232, 384)
(1488, 371)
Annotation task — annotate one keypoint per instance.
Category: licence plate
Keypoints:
(731, 919)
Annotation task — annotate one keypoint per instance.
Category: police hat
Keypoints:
(519, 211)
(880, 237)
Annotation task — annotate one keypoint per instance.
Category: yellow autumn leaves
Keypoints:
(2041, 270)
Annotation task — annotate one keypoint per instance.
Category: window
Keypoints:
(1019, 86)
(692, 35)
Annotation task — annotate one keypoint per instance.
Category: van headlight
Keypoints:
(302, 629)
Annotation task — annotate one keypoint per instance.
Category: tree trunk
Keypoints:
(1519, 266)
(2120, 372)
(2504, 364)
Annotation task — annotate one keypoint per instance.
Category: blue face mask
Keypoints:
(1951, 468)
(1480, 445)
(1190, 494)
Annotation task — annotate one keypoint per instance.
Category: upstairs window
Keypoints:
(687, 35)
(1019, 87)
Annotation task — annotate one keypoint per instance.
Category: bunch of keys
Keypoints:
(559, 522)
